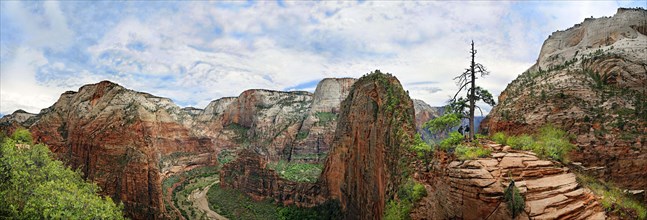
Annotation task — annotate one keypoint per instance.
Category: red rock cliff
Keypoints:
(364, 167)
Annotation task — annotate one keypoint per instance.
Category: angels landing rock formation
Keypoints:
(591, 81)
(369, 154)
(365, 164)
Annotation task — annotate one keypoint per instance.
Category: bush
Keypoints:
(420, 147)
(328, 210)
(35, 186)
(450, 142)
(514, 200)
(443, 123)
(298, 172)
(614, 200)
(470, 153)
(409, 194)
(22, 136)
(520, 142)
(554, 143)
(499, 138)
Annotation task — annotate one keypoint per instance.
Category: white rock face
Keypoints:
(624, 33)
(330, 93)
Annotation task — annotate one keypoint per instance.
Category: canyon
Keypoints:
(588, 80)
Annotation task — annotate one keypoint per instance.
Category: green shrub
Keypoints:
(450, 142)
(325, 117)
(22, 136)
(420, 147)
(234, 204)
(614, 200)
(326, 211)
(513, 198)
(520, 142)
(499, 138)
(35, 186)
(470, 153)
(298, 172)
(443, 123)
(409, 194)
(302, 135)
(552, 142)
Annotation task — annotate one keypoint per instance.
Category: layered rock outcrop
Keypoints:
(118, 138)
(589, 80)
(365, 165)
(19, 118)
(473, 189)
(128, 142)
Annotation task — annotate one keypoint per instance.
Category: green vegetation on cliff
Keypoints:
(409, 194)
(299, 172)
(35, 186)
(614, 200)
(549, 142)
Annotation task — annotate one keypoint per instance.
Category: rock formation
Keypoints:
(120, 138)
(128, 142)
(366, 163)
(589, 80)
(473, 189)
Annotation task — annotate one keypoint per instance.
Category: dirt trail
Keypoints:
(199, 199)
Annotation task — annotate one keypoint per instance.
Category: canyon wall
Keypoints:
(590, 81)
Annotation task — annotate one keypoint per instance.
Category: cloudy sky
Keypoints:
(195, 52)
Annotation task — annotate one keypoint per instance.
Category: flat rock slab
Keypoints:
(551, 181)
(511, 162)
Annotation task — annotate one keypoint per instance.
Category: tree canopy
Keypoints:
(35, 186)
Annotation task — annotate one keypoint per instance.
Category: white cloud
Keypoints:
(200, 51)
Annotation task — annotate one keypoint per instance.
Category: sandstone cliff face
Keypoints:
(118, 138)
(473, 189)
(589, 80)
(317, 131)
(19, 118)
(365, 165)
(249, 173)
(128, 141)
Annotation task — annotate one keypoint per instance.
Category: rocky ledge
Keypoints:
(473, 189)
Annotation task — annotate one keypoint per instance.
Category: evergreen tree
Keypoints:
(467, 82)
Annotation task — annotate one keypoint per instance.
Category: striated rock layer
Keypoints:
(589, 80)
(473, 189)
(364, 167)
(366, 163)
(118, 138)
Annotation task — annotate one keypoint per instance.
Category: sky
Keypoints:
(197, 51)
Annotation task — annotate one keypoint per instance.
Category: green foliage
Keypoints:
(552, 142)
(302, 135)
(240, 131)
(452, 141)
(331, 209)
(443, 123)
(409, 194)
(513, 198)
(549, 142)
(521, 142)
(470, 153)
(420, 147)
(325, 117)
(499, 138)
(614, 200)
(225, 156)
(34, 186)
(298, 172)
(22, 136)
(234, 204)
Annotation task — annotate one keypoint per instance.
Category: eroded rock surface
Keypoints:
(473, 189)
(364, 167)
(589, 80)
